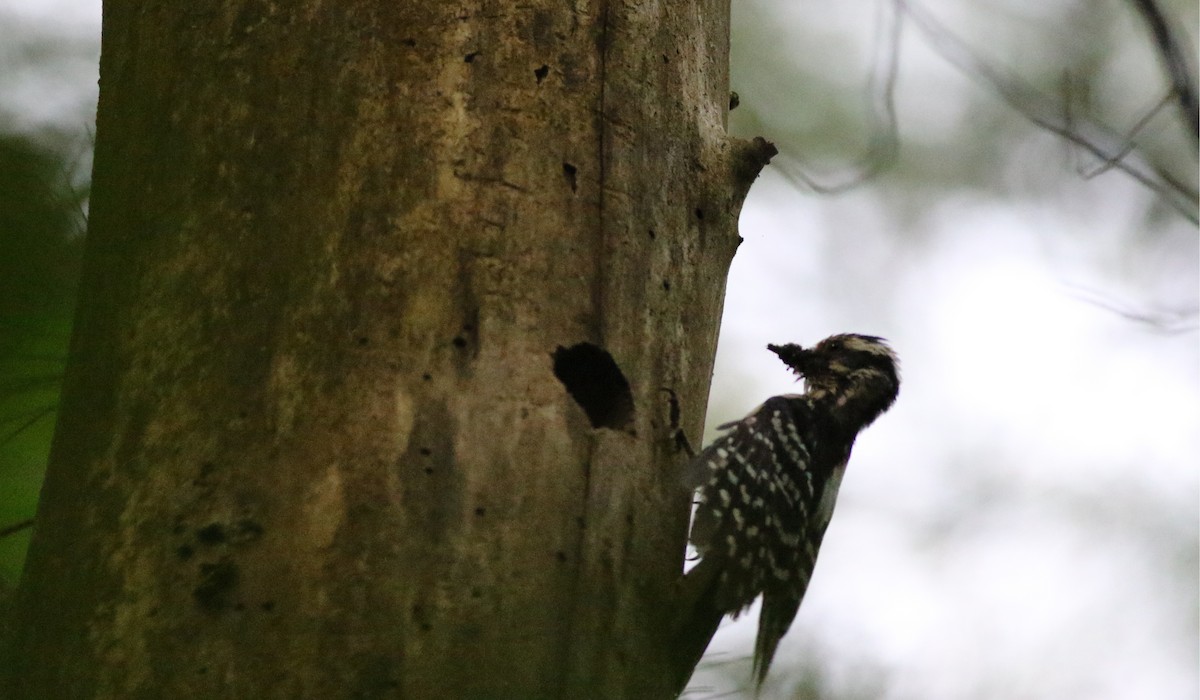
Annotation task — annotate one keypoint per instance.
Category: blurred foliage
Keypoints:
(41, 224)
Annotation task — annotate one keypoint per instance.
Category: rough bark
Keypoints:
(344, 262)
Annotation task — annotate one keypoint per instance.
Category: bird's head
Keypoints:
(858, 374)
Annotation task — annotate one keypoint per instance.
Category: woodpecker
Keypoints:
(765, 491)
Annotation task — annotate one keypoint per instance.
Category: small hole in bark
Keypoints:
(596, 383)
(409, 42)
(569, 174)
(211, 534)
(651, 234)
(480, 511)
(459, 342)
(699, 213)
(217, 581)
(541, 73)
(203, 477)
(267, 605)
(666, 285)
(470, 58)
(418, 614)
(425, 451)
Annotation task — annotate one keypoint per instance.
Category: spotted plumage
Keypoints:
(766, 488)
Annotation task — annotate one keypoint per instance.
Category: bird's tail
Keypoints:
(776, 617)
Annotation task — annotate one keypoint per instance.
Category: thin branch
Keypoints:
(36, 416)
(884, 129)
(1166, 322)
(16, 527)
(1171, 53)
(1129, 142)
(1037, 108)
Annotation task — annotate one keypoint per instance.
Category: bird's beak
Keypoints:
(794, 356)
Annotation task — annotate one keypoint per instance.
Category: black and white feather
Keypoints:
(767, 487)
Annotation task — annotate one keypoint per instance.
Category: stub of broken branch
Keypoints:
(748, 160)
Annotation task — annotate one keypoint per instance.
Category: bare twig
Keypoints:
(881, 89)
(16, 527)
(36, 416)
(1091, 136)
(1129, 142)
(1166, 322)
(1171, 53)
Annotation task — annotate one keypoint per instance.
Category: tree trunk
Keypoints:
(366, 395)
